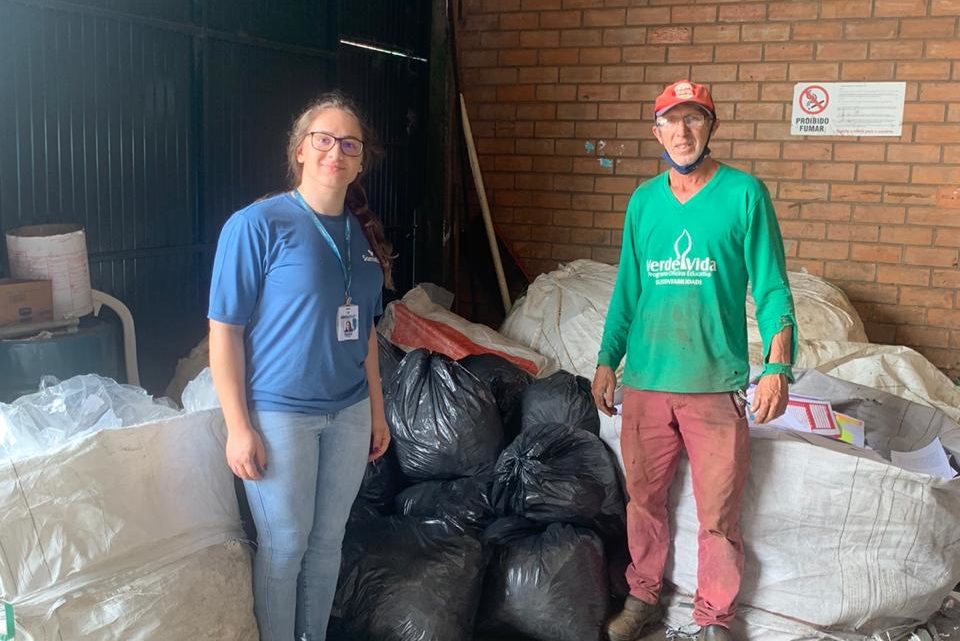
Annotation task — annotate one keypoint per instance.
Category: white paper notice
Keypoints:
(847, 108)
(930, 459)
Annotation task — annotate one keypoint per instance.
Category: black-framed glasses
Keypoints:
(322, 141)
(692, 121)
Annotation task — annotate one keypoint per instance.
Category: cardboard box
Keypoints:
(25, 301)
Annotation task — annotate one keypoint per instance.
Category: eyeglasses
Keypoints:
(693, 121)
(322, 141)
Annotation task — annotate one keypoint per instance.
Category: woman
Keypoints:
(293, 353)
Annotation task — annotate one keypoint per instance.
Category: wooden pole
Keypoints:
(484, 207)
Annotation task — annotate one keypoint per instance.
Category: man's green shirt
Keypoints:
(678, 306)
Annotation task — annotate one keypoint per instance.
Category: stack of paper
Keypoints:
(803, 414)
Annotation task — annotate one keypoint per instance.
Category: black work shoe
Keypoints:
(715, 632)
(635, 617)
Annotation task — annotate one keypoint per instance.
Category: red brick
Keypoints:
(622, 73)
(948, 237)
(644, 54)
(872, 71)
(648, 15)
(948, 197)
(896, 50)
(742, 12)
(938, 133)
(824, 249)
(936, 175)
(842, 51)
(910, 195)
(931, 256)
(778, 169)
(886, 173)
(537, 75)
(871, 30)
(922, 336)
(665, 74)
(856, 193)
(871, 292)
(806, 150)
(558, 57)
(606, 255)
(873, 252)
(928, 27)
(819, 31)
(878, 214)
(946, 278)
(832, 171)
(739, 52)
(901, 275)
(560, 19)
(858, 151)
(845, 9)
(918, 112)
(822, 71)
(944, 318)
(843, 231)
(669, 35)
(905, 234)
(595, 202)
(539, 39)
(923, 71)
(540, 5)
(759, 111)
(624, 36)
(689, 14)
(764, 71)
(824, 211)
(803, 229)
(535, 147)
(611, 221)
(765, 32)
(945, 8)
(716, 33)
(880, 332)
(803, 191)
(788, 52)
(899, 8)
(556, 93)
(949, 49)
(469, 59)
(554, 129)
(578, 74)
(604, 17)
(710, 74)
(512, 163)
(793, 10)
(615, 185)
(519, 21)
(812, 267)
(690, 53)
(849, 270)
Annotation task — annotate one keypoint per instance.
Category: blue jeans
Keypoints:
(315, 464)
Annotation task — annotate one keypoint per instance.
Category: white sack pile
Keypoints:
(123, 534)
(562, 314)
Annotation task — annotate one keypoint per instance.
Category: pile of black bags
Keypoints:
(496, 508)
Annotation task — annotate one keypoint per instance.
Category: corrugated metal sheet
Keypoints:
(149, 127)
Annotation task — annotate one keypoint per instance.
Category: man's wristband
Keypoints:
(778, 368)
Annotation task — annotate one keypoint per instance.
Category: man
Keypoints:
(693, 238)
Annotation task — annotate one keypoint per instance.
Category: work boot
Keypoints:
(715, 632)
(633, 619)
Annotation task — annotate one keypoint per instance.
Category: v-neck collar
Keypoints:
(710, 184)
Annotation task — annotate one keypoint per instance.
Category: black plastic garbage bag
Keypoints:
(464, 501)
(389, 358)
(408, 579)
(561, 398)
(382, 481)
(547, 584)
(507, 382)
(558, 473)
(444, 421)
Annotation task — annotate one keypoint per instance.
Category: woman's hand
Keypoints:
(379, 436)
(246, 455)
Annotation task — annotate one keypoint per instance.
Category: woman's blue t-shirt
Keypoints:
(276, 275)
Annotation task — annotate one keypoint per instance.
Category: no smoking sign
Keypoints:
(814, 100)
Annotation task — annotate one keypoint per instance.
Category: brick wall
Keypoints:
(560, 97)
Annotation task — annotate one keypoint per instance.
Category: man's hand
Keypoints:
(604, 383)
(770, 398)
(379, 437)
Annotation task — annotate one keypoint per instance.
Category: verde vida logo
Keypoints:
(682, 269)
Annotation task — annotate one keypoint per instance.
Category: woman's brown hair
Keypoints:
(356, 199)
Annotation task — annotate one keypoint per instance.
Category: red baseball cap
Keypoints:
(683, 91)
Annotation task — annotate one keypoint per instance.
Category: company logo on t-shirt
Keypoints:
(370, 258)
(681, 269)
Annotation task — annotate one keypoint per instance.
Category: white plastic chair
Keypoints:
(129, 333)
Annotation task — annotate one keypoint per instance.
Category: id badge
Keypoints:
(348, 321)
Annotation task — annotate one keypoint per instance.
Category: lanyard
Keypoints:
(345, 266)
